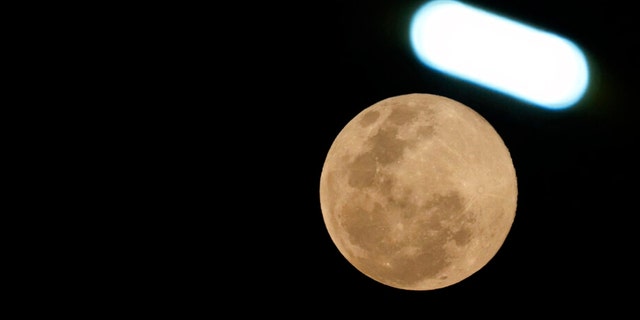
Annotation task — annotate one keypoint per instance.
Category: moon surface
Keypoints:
(418, 191)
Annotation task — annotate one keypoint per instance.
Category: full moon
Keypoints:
(418, 192)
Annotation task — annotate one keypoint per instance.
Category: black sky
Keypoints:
(306, 69)
(176, 150)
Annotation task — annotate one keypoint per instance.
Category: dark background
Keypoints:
(173, 159)
(236, 107)
(307, 69)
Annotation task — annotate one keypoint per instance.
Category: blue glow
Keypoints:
(493, 51)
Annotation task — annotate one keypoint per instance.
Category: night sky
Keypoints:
(307, 69)
(176, 151)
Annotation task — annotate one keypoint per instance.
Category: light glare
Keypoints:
(493, 51)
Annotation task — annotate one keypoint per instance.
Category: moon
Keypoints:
(418, 192)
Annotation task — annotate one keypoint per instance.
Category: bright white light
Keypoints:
(499, 53)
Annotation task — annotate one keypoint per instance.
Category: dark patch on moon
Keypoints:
(426, 131)
(433, 233)
(401, 116)
(386, 147)
(426, 263)
(362, 171)
(429, 258)
(369, 118)
(450, 209)
(461, 237)
(366, 229)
